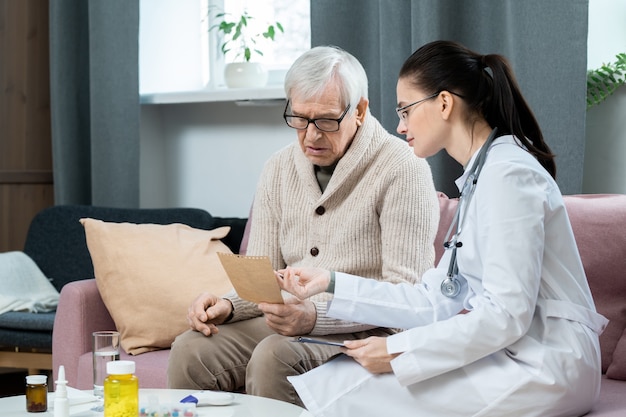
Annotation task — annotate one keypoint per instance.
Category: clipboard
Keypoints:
(252, 277)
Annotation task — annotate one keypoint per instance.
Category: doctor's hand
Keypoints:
(206, 311)
(303, 282)
(370, 353)
(295, 317)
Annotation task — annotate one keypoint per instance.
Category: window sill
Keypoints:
(245, 96)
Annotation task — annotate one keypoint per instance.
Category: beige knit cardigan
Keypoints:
(377, 217)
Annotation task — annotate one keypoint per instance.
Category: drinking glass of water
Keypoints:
(106, 348)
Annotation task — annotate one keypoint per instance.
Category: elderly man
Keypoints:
(348, 196)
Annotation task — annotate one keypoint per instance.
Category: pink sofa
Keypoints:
(599, 223)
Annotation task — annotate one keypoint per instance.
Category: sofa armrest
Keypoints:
(80, 312)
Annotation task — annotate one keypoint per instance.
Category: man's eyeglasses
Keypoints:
(402, 111)
(323, 124)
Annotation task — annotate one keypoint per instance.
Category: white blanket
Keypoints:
(23, 287)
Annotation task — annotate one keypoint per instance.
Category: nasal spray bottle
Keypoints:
(61, 402)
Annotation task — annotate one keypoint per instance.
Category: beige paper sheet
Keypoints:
(252, 277)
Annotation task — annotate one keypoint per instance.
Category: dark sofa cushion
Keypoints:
(26, 321)
(26, 330)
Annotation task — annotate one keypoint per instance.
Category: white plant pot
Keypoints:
(245, 75)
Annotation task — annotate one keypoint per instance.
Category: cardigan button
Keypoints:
(320, 210)
(315, 251)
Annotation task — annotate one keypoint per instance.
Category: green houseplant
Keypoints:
(236, 35)
(604, 81)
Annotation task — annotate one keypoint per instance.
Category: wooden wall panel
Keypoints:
(20, 203)
(25, 139)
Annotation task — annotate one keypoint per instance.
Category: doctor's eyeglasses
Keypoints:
(403, 113)
(323, 124)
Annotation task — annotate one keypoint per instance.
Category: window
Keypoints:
(178, 53)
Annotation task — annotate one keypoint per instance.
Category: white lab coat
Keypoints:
(528, 345)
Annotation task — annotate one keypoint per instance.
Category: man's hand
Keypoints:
(206, 311)
(371, 353)
(295, 317)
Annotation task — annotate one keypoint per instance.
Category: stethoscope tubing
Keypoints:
(451, 287)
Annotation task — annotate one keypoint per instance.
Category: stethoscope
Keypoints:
(451, 286)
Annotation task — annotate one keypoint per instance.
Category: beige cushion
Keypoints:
(149, 274)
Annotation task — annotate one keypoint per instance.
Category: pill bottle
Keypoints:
(121, 390)
(36, 393)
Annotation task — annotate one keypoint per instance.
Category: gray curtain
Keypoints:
(94, 78)
(546, 42)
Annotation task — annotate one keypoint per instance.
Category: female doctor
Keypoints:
(527, 343)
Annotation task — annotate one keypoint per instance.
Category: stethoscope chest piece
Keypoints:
(451, 287)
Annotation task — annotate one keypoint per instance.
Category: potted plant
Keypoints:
(238, 37)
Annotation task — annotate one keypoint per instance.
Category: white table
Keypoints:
(243, 406)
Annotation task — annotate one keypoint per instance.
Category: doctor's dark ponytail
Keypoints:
(486, 84)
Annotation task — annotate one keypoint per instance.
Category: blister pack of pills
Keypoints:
(168, 410)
